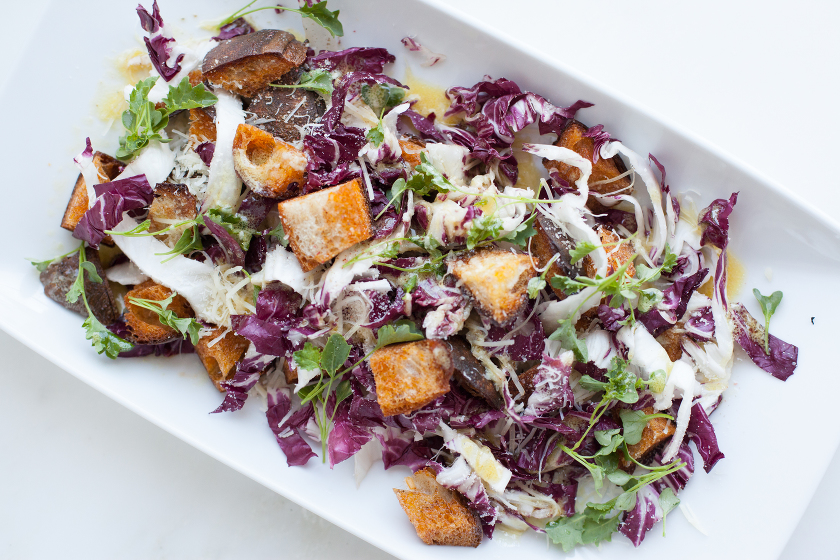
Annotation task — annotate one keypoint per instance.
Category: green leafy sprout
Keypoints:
(186, 326)
(317, 12)
(768, 308)
(319, 81)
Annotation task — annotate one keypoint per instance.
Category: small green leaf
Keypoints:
(591, 384)
(566, 531)
(319, 81)
(309, 358)
(280, 235)
(567, 285)
(376, 135)
(184, 96)
(619, 477)
(768, 308)
(484, 227)
(405, 331)
(103, 340)
(582, 249)
(342, 392)
(567, 336)
(189, 241)
(626, 501)
(535, 285)
(595, 532)
(426, 179)
(522, 233)
(322, 16)
(605, 436)
(634, 423)
(668, 501)
(648, 299)
(379, 97)
(657, 381)
(335, 353)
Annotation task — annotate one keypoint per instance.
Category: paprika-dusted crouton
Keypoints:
(617, 254)
(288, 109)
(656, 431)
(143, 323)
(549, 241)
(220, 358)
(107, 168)
(322, 224)
(202, 127)
(410, 375)
(246, 64)
(497, 280)
(411, 148)
(59, 277)
(270, 167)
(438, 514)
(470, 373)
(172, 203)
(604, 170)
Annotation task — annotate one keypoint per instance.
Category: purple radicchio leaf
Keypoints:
(599, 137)
(343, 86)
(233, 250)
(702, 433)
(205, 151)
(528, 340)
(159, 50)
(165, 349)
(673, 304)
(234, 29)
(641, 519)
(383, 309)
(112, 199)
(563, 494)
(248, 372)
(150, 23)
(329, 154)
(447, 306)
(701, 324)
(666, 190)
(677, 480)
(461, 478)
(429, 58)
(356, 59)
(255, 257)
(352, 427)
(552, 391)
(611, 317)
(780, 362)
(286, 427)
(86, 156)
(403, 450)
(276, 317)
(255, 208)
(424, 125)
(715, 219)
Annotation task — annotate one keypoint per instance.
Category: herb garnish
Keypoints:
(167, 317)
(768, 307)
(317, 12)
(319, 81)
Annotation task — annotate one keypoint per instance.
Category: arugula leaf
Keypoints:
(582, 249)
(768, 307)
(319, 81)
(186, 326)
(567, 335)
(522, 233)
(426, 179)
(567, 531)
(309, 358)
(486, 226)
(335, 353)
(317, 12)
(185, 96)
(405, 331)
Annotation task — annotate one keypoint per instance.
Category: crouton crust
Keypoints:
(60, 276)
(470, 373)
(605, 169)
(290, 372)
(656, 431)
(270, 167)
(247, 63)
(411, 149)
(617, 255)
(497, 280)
(202, 127)
(671, 341)
(288, 109)
(219, 360)
(410, 375)
(144, 325)
(171, 202)
(439, 515)
(107, 168)
(548, 242)
(322, 224)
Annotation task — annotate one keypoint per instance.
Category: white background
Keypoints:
(84, 477)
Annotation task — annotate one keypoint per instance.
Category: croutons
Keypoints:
(470, 374)
(59, 277)
(172, 204)
(410, 375)
(604, 170)
(143, 323)
(617, 254)
(107, 168)
(656, 431)
(411, 149)
(220, 358)
(246, 64)
(322, 224)
(290, 372)
(270, 167)
(438, 514)
(289, 109)
(497, 280)
(549, 241)
(671, 341)
(202, 127)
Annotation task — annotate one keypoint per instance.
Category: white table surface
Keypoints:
(85, 478)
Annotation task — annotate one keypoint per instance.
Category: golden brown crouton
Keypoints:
(322, 224)
(219, 360)
(196, 77)
(438, 514)
(270, 167)
(551, 241)
(470, 373)
(526, 379)
(143, 323)
(60, 276)
(617, 254)
(671, 341)
(107, 168)
(410, 375)
(656, 431)
(290, 372)
(287, 110)
(246, 64)
(172, 204)
(411, 149)
(497, 280)
(202, 127)
(605, 170)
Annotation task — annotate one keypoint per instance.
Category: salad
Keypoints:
(396, 285)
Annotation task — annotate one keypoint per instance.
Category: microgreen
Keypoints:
(567, 335)
(42, 265)
(537, 283)
(186, 326)
(380, 97)
(280, 235)
(319, 81)
(768, 307)
(426, 178)
(487, 226)
(634, 423)
(317, 12)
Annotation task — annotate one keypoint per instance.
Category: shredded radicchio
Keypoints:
(157, 43)
(780, 362)
(234, 29)
(248, 372)
(356, 59)
(287, 427)
(205, 151)
(112, 199)
(702, 433)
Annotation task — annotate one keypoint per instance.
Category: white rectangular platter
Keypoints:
(748, 505)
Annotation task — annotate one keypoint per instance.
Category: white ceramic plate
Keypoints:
(750, 502)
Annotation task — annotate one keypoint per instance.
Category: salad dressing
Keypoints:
(432, 97)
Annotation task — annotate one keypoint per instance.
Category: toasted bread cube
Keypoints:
(656, 431)
(438, 514)
(322, 224)
(410, 375)
(411, 149)
(60, 276)
(202, 127)
(107, 168)
(144, 324)
(290, 372)
(617, 254)
(270, 167)
(604, 170)
(671, 341)
(287, 110)
(497, 280)
(549, 241)
(172, 204)
(246, 64)
(220, 359)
